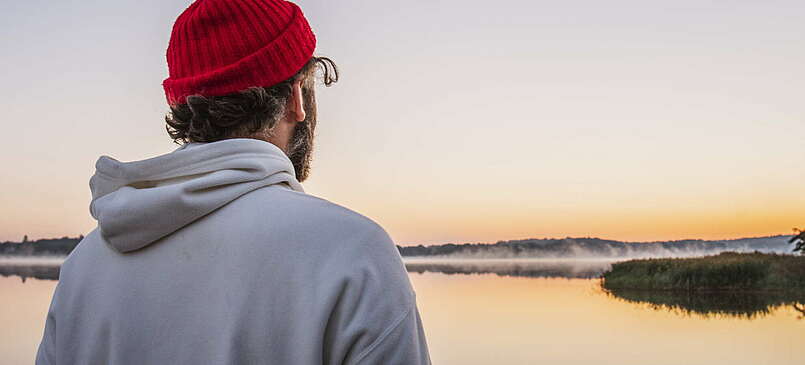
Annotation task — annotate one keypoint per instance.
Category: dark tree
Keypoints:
(798, 240)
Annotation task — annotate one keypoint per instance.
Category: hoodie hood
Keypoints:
(137, 203)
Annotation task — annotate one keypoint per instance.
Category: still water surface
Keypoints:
(517, 312)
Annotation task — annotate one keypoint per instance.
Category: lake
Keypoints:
(519, 311)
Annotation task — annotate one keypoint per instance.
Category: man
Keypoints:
(213, 253)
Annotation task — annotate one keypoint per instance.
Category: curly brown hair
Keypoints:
(243, 113)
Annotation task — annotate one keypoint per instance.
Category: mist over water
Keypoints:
(31, 260)
(581, 258)
(519, 267)
(596, 248)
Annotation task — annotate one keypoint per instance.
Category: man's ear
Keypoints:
(297, 103)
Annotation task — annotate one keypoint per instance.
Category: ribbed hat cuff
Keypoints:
(275, 62)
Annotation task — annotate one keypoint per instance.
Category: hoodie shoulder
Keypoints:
(302, 217)
(375, 317)
(329, 210)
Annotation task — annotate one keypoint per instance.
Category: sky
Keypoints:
(453, 121)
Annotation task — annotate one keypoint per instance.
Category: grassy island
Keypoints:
(727, 271)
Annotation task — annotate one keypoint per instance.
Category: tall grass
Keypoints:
(726, 271)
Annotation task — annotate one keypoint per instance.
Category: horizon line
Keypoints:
(498, 241)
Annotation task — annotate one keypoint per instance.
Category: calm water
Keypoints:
(521, 312)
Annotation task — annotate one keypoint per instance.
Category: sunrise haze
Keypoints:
(453, 121)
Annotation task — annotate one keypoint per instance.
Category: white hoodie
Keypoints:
(213, 254)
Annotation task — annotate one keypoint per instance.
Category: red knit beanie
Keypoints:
(219, 47)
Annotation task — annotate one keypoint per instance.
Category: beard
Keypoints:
(300, 151)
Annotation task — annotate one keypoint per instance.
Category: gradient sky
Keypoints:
(454, 121)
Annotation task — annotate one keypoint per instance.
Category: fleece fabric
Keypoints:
(214, 254)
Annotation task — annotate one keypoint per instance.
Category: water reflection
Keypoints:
(48, 269)
(713, 304)
(533, 268)
(747, 305)
(522, 312)
(40, 269)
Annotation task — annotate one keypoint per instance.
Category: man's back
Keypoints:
(272, 276)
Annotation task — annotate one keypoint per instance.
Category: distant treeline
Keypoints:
(548, 247)
(42, 247)
(596, 247)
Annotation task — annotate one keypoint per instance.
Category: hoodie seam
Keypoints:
(383, 335)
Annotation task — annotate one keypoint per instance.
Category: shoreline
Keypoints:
(728, 272)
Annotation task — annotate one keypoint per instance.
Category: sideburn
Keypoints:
(301, 143)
